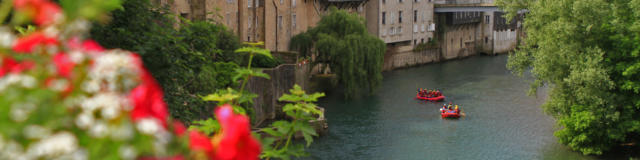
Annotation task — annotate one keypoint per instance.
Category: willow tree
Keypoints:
(341, 42)
(588, 52)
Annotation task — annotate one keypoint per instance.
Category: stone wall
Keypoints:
(504, 41)
(283, 77)
(410, 58)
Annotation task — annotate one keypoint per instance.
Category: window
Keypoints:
(391, 31)
(421, 40)
(415, 16)
(392, 18)
(184, 15)
(486, 40)
(400, 1)
(249, 3)
(293, 20)
(384, 17)
(415, 42)
(249, 20)
(279, 21)
(487, 19)
(384, 1)
(293, 3)
(228, 19)
(429, 39)
(399, 16)
(415, 28)
(399, 30)
(281, 1)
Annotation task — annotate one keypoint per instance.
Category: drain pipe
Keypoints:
(276, 6)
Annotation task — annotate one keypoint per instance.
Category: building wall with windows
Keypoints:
(403, 22)
(271, 21)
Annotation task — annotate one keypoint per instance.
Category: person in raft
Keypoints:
(457, 109)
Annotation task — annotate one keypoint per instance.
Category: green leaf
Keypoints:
(254, 50)
(208, 126)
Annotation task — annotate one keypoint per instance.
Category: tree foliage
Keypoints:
(342, 42)
(189, 60)
(589, 53)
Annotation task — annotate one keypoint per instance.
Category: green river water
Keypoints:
(502, 122)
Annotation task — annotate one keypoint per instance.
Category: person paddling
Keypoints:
(456, 109)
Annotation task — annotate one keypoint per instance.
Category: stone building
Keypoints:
(271, 21)
(401, 22)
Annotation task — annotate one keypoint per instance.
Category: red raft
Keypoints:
(438, 98)
(450, 114)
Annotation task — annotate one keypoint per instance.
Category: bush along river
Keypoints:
(501, 121)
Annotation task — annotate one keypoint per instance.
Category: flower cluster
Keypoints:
(65, 97)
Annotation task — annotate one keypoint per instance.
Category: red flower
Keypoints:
(28, 43)
(63, 64)
(86, 45)
(45, 12)
(10, 65)
(147, 102)
(179, 128)
(237, 142)
(200, 142)
(147, 97)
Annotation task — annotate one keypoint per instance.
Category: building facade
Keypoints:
(401, 22)
(271, 21)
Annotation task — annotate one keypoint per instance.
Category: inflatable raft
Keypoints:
(450, 114)
(438, 98)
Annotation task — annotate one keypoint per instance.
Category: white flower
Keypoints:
(91, 86)
(80, 154)
(28, 81)
(20, 111)
(1, 142)
(128, 152)
(124, 131)
(98, 130)
(79, 26)
(76, 56)
(84, 120)
(148, 126)
(7, 39)
(57, 145)
(59, 84)
(36, 132)
(24, 80)
(116, 69)
(12, 150)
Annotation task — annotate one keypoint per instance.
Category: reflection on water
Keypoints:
(502, 121)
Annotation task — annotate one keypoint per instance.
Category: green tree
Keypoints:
(189, 60)
(587, 51)
(342, 42)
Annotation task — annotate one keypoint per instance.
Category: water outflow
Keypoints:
(502, 122)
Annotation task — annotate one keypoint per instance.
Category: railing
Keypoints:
(463, 1)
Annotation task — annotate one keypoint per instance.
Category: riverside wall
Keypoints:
(283, 77)
(404, 59)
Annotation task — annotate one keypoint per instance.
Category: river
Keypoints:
(502, 122)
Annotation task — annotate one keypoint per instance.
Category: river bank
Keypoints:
(502, 121)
